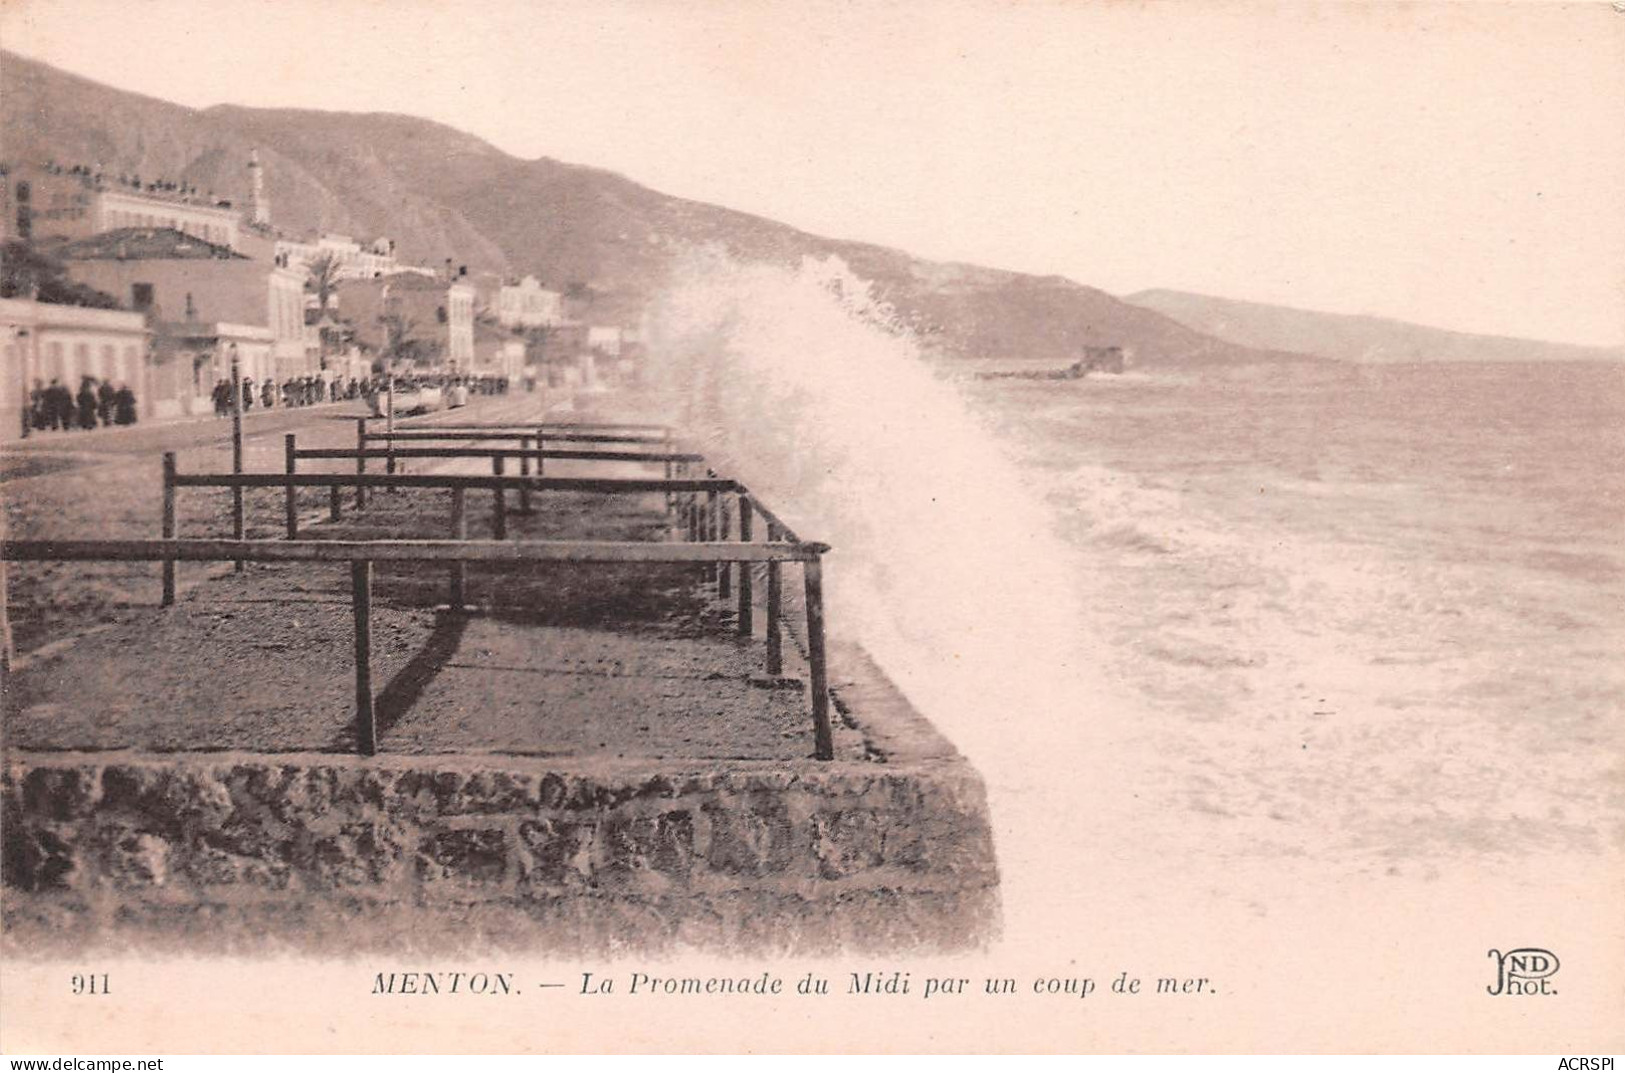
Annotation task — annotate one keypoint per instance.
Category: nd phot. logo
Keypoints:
(1524, 971)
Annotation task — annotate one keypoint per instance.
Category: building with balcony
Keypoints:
(200, 299)
(352, 259)
(48, 203)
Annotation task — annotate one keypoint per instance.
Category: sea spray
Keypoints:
(946, 567)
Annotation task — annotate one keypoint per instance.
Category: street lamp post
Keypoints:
(19, 335)
(236, 450)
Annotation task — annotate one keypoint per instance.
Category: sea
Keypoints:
(1246, 633)
(1412, 575)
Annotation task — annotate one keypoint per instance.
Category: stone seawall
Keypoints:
(249, 851)
(244, 850)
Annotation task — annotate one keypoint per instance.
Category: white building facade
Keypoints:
(527, 304)
(114, 209)
(43, 342)
(460, 325)
(354, 260)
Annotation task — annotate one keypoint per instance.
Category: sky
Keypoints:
(1458, 164)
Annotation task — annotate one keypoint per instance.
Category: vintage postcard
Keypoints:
(834, 527)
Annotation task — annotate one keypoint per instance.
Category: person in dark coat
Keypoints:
(58, 406)
(105, 394)
(268, 394)
(87, 403)
(124, 405)
(39, 407)
(248, 393)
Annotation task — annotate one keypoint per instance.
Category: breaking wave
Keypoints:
(946, 566)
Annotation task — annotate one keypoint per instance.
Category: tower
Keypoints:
(259, 204)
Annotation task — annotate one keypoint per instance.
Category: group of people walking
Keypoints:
(97, 404)
(302, 391)
(310, 390)
(475, 385)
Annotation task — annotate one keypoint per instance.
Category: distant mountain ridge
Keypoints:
(1350, 337)
(442, 193)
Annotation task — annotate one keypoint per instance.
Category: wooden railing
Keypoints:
(362, 554)
(705, 527)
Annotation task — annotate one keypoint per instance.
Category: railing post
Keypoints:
(366, 729)
(361, 462)
(823, 735)
(168, 527)
(725, 571)
(746, 608)
(524, 471)
(681, 499)
(540, 447)
(334, 507)
(708, 524)
(708, 521)
(5, 617)
(459, 531)
(389, 437)
(290, 457)
(499, 504)
(775, 587)
(691, 511)
(389, 429)
(237, 455)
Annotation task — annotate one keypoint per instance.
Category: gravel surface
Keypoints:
(617, 660)
(108, 484)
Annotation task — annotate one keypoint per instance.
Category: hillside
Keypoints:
(441, 193)
(1347, 337)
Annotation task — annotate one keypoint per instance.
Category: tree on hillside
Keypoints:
(322, 280)
(401, 341)
(536, 337)
(27, 273)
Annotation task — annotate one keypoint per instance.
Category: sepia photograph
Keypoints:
(871, 526)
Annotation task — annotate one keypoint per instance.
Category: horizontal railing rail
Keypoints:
(777, 529)
(406, 551)
(426, 421)
(362, 554)
(705, 509)
(497, 452)
(605, 485)
(517, 432)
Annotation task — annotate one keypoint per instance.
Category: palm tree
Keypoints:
(323, 280)
(398, 335)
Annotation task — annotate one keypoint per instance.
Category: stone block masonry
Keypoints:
(244, 852)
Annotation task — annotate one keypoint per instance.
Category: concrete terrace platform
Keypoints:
(588, 763)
